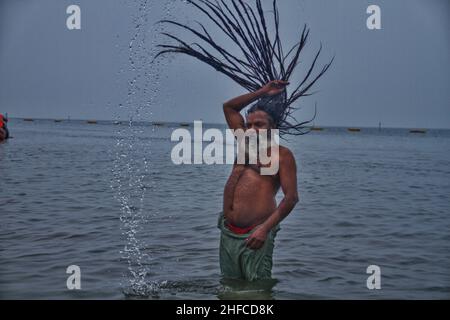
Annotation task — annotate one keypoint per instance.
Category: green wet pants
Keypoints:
(239, 262)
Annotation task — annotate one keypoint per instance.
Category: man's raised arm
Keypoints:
(233, 107)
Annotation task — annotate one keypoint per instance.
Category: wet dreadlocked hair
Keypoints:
(262, 60)
(274, 106)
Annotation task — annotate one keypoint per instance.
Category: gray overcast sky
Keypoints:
(398, 75)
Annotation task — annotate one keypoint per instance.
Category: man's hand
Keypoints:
(257, 238)
(274, 87)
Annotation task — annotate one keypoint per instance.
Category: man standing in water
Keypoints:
(251, 216)
(250, 213)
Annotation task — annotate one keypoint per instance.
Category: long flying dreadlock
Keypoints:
(262, 59)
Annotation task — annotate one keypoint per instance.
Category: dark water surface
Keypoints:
(72, 193)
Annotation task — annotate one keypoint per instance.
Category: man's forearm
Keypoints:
(244, 100)
(286, 205)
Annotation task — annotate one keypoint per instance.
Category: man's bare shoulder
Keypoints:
(287, 158)
(285, 152)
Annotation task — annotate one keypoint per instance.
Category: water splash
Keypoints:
(132, 154)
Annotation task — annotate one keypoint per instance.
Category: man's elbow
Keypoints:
(292, 199)
(226, 109)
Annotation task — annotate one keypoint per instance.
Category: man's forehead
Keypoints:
(258, 116)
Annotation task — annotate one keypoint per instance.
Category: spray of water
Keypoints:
(131, 155)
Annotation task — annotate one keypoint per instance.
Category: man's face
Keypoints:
(258, 120)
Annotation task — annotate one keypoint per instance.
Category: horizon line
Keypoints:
(216, 123)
